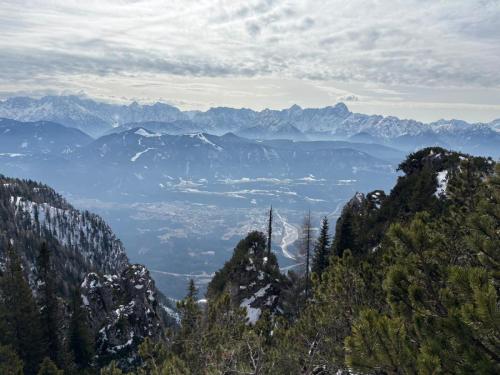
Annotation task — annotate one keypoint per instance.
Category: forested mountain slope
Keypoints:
(411, 286)
(65, 275)
(34, 213)
(408, 284)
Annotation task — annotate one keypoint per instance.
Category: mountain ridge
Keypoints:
(85, 256)
(331, 122)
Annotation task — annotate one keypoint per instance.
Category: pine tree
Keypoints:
(378, 342)
(111, 369)
(316, 340)
(80, 339)
(49, 368)
(442, 315)
(269, 231)
(224, 341)
(192, 290)
(345, 234)
(153, 355)
(321, 249)
(188, 339)
(49, 305)
(10, 363)
(21, 318)
(484, 224)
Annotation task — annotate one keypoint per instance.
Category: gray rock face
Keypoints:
(121, 300)
(252, 278)
(122, 310)
(258, 287)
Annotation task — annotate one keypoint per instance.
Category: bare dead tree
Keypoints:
(269, 231)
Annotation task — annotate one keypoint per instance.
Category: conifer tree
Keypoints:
(223, 338)
(435, 302)
(463, 186)
(192, 290)
(49, 368)
(10, 363)
(316, 340)
(484, 224)
(188, 339)
(21, 319)
(80, 339)
(345, 234)
(321, 249)
(49, 305)
(111, 369)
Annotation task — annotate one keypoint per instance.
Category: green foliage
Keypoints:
(378, 342)
(316, 340)
(10, 363)
(111, 369)
(49, 368)
(153, 356)
(49, 306)
(434, 304)
(254, 241)
(321, 249)
(410, 285)
(426, 300)
(188, 339)
(80, 338)
(21, 320)
(174, 366)
(345, 233)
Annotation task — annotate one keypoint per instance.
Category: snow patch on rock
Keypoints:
(442, 184)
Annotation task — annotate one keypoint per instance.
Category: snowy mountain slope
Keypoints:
(176, 127)
(140, 161)
(83, 248)
(93, 118)
(332, 122)
(41, 137)
(43, 213)
(103, 299)
(144, 155)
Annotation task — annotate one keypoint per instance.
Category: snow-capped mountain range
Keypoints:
(332, 122)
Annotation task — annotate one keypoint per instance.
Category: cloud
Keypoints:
(384, 44)
(348, 98)
(403, 43)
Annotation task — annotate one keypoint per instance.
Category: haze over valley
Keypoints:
(179, 188)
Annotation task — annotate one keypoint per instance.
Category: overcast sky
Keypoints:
(424, 59)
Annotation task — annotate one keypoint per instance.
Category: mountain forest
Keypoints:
(405, 282)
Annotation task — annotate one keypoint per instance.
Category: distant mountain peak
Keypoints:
(341, 107)
(335, 122)
(295, 108)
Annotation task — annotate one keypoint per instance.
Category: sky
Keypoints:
(425, 59)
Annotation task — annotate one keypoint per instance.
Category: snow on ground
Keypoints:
(253, 313)
(262, 291)
(11, 155)
(311, 178)
(144, 133)
(71, 227)
(442, 183)
(138, 155)
(204, 139)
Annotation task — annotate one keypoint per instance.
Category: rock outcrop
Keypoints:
(251, 277)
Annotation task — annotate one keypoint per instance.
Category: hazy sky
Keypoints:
(424, 59)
